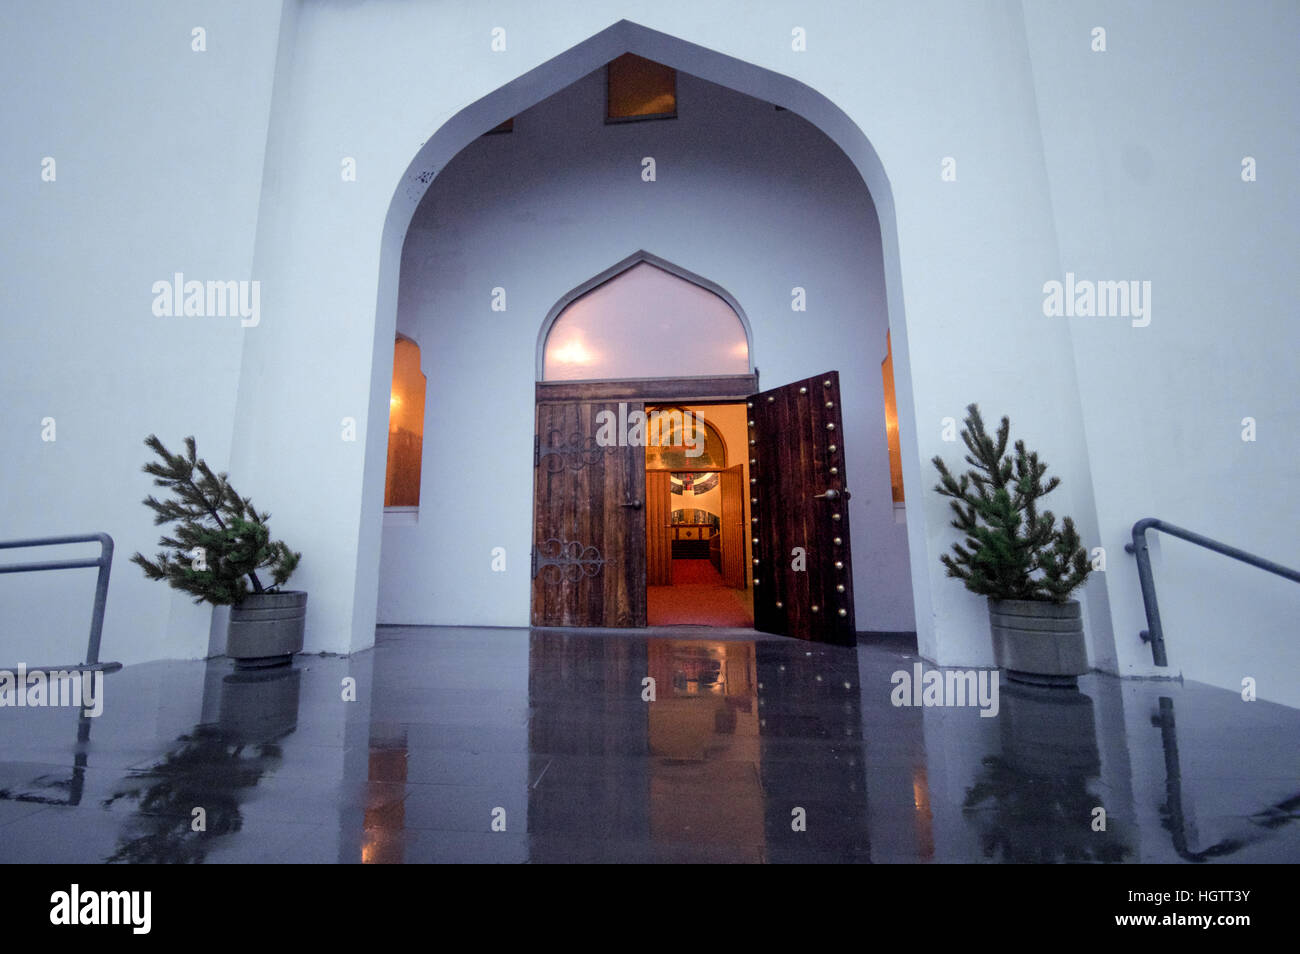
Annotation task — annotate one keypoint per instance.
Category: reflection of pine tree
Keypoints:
(208, 769)
(1038, 818)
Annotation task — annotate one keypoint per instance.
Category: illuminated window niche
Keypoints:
(891, 424)
(638, 88)
(405, 427)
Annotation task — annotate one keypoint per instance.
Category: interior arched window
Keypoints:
(405, 427)
(645, 322)
(677, 439)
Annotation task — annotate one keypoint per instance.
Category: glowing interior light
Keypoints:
(573, 352)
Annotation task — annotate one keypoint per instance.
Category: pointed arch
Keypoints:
(548, 78)
(606, 339)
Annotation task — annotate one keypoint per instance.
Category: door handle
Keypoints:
(832, 494)
(635, 505)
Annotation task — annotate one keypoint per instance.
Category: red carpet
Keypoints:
(695, 571)
(697, 598)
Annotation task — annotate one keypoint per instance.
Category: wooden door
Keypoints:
(732, 527)
(658, 529)
(803, 574)
(589, 543)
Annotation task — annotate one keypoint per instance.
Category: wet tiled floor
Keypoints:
(500, 745)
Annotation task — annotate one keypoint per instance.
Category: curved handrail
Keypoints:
(1154, 633)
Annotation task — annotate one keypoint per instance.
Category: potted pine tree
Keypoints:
(1018, 558)
(219, 543)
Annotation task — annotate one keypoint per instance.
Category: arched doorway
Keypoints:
(592, 54)
(617, 427)
(641, 331)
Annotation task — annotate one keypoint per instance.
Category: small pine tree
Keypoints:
(1011, 552)
(220, 540)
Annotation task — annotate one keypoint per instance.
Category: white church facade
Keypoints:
(1076, 216)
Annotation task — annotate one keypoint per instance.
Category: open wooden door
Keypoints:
(732, 527)
(658, 529)
(589, 543)
(803, 574)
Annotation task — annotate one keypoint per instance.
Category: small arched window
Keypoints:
(405, 427)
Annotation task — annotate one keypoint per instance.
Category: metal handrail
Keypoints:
(1154, 633)
(105, 564)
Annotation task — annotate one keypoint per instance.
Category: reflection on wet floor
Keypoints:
(689, 745)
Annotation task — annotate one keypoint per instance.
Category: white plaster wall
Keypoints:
(1144, 146)
(753, 199)
(158, 153)
(1122, 167)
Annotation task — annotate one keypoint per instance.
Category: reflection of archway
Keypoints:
(548, 79)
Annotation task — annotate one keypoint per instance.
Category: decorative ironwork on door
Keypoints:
(573, 453)
(570, 559)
